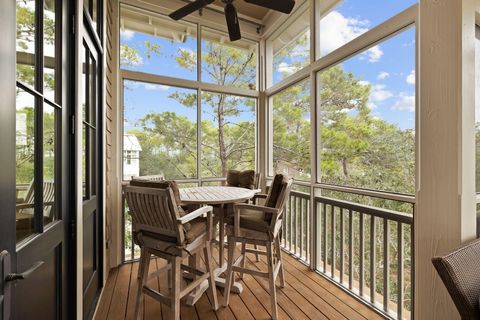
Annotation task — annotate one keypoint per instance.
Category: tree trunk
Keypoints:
(221, 135)
(345, 168)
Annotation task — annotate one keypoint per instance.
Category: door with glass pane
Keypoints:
(89, 107)
(34, 184)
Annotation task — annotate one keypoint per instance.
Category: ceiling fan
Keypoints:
(285, 6)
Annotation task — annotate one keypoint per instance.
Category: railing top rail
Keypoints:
(299, 194)
(377, 212)
(394, 196)
(401, 197)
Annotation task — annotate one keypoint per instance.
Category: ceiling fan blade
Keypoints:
(189, 8)
(232, 22)
(285, 6)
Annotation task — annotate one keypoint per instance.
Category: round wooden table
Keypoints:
(216, 195)
(220, 197)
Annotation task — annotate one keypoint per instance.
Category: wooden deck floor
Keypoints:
(307, 295)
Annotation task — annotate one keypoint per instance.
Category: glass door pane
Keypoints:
(26, 41)
(25, 164)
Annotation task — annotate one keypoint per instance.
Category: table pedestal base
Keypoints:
(220, 281)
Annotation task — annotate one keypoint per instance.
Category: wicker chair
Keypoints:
(161, 230)
(259, 225)
(459, 272)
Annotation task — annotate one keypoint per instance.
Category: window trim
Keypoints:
(380, 33)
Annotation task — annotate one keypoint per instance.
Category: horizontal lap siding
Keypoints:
(109, 99)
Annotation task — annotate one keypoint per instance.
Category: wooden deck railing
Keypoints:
(366, 250)
(296, 234)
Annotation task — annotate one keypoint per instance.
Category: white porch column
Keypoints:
(445, 215)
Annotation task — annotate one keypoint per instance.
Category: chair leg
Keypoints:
(221, 236)
(229, 272)
(175, 292)
(271, 280)
(280, 260)
(256, 254)
(170, 280)
(211, 279)
(143, 271)
(244, 257)
(143, 256)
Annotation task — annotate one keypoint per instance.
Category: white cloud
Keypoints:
(285, 67)
(127, 34)
(405, 102)
(364, 83)
(374, 54)
(383, 75)
(411, 78)
(379, 93)
(336, 30)
(147, 86)
(155, 87)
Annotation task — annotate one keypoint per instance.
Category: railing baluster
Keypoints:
(350, 249)
(373, 276)
(412, 273)
(342, 253)
(386, 264)
(333, 241)
(307, 228)
(301, 228)
(324, 253)
(357, 212)
(295, 217)
(362, 254)
(400, 272)
(284, 226)
(290, 225)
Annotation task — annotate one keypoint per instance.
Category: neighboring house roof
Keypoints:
(131, 143)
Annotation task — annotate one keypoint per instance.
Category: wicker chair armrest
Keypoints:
(195, 214)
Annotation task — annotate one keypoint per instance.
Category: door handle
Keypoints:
(24, 275)
(5, 287)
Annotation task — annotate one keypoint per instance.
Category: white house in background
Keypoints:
(131, 156)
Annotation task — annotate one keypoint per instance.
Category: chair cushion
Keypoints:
(241, 179)
(250, 219)
(197, 228)
(274, 191)
(161, 185)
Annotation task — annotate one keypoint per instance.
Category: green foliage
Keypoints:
(291, 131)
(25, 151)
(169, 145)
(129, 56)
(26, 28)
(294, 56)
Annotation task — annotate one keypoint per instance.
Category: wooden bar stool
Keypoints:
(259, 225)
(161, 229)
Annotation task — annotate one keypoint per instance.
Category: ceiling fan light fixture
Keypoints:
(232, 22)
(231, 16)
(284, 6)
(189, 8)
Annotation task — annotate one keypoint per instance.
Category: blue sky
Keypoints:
(388, 67)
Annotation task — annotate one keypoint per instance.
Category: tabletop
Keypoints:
(215, 195)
